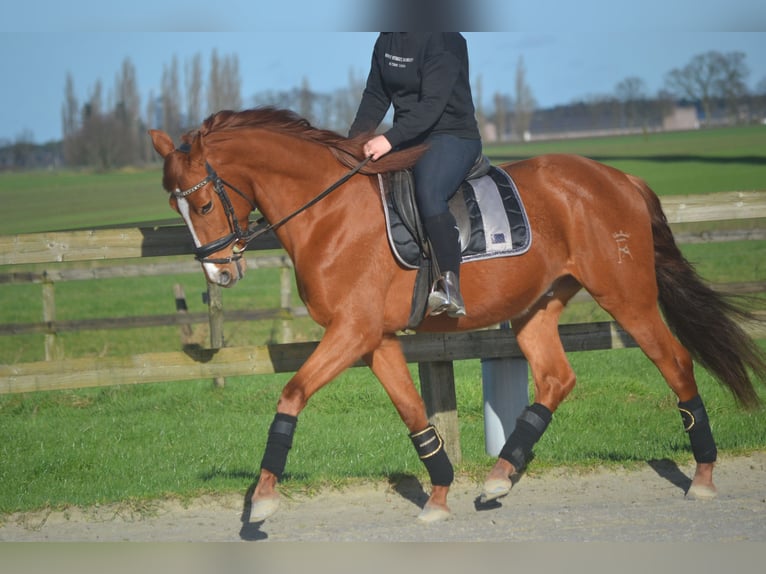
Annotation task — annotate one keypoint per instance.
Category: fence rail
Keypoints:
(49, 277)
(174, 240)
(199, 363)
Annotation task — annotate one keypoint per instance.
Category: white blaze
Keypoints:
(183, 207)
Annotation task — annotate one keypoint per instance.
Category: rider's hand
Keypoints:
(377, 147)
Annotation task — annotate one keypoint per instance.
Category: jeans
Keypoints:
(440, 171)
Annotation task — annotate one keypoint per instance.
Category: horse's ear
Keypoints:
(162, 142)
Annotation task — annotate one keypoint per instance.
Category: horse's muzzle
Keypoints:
(225, 272)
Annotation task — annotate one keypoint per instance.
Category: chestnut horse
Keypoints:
(593, 227)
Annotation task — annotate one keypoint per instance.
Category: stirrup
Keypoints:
(445, 297)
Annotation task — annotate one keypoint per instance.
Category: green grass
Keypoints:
(182, 439)
(57, 200)
(185, 439)
(676, 163)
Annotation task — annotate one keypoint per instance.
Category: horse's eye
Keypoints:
(207, 208)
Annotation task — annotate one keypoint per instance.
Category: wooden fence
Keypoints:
(51, 327)
(433, 352)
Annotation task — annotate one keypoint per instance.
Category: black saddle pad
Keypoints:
(488, 210)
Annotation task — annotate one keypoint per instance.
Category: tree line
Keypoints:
(713, 83)
(108, 129)
(111, 132)
(108, 132)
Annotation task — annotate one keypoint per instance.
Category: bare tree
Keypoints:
(323, 110)
(760, 100)
(344, 104)
(731, 84)
(525, 102)
(224, 90)
(708, 76)
(152, 121)
(99, 146)
(306, 101)
(478, 92)
(502, 112)
(171, 100)
(23, 149)
(193, 78)
(231, 91)
(632, 93)
(214, 85)
(94, 105)
(70, 121)
(127, 113)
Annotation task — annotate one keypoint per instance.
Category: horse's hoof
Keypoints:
(701, 492)
(263, 508)
(495, 488)
(431, 514)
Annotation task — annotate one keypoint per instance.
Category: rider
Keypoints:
(425, 76)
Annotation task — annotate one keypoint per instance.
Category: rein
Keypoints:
(203, 252)
(272, 226)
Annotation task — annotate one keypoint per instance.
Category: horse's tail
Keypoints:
(705, 321)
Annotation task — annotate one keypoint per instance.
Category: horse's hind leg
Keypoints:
(629, 292)
(390, 367)
(674, 362)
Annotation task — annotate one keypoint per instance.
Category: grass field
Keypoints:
(676, 163)
(182, 439)
(679, 163)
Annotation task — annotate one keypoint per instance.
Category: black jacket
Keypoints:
(425, 76)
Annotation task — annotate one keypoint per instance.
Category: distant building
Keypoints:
(681, 118)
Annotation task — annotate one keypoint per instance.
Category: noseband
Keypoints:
(237, 235)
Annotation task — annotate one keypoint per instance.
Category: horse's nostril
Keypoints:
(224, 278)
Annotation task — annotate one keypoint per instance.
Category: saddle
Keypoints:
(487, 208)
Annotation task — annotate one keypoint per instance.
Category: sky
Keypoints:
(570, 51)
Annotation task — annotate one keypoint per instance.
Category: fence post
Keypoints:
(182, 309)
(437, 387)
(215, 319)
(506, 393)
(52, 347)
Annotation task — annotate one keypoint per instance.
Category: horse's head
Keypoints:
(217, 221)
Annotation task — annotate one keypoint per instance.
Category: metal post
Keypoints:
(506, 393)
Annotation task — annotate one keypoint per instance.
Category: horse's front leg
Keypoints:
(537, 336)
(390, 367)
(338, 350)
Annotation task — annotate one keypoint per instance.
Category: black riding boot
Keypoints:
(445, 245)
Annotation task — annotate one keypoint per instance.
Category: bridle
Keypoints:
(255, 229)
(203, 252)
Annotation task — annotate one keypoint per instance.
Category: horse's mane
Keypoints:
(347, 151)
